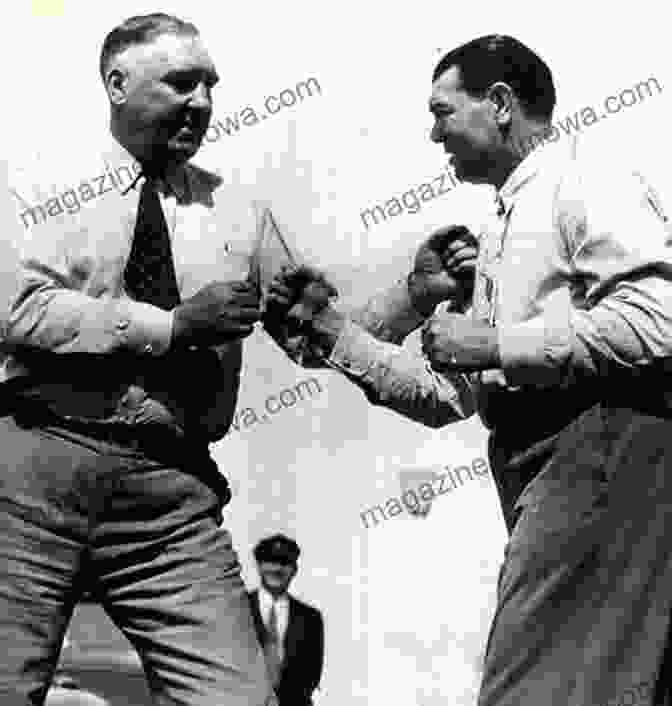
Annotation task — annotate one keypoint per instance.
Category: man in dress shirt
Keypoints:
(291, 632)
(568, 346)
(124, 344)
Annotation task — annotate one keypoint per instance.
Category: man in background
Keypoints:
(291, 632)
(124, 351)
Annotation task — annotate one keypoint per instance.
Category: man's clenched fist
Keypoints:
(300, 292)
(454, 342)
(443, 269)
(220, 312)
(295, 297)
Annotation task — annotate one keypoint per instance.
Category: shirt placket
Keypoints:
(487, 294)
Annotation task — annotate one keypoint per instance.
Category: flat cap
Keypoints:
(278, 548)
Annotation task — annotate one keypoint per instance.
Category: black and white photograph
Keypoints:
(335, 354)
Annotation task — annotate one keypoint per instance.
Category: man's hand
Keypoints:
(298, 296)
(300, 292)
(443, 269)
(220, 312)
(454, 342)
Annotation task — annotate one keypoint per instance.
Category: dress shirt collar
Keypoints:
(525, 172)
(266, 599)
(173, 182)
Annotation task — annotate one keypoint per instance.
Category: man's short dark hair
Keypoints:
(141, 29)
(278, 548)
(497, 57)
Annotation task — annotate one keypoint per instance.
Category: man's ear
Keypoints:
(116, 85)
(503, 98)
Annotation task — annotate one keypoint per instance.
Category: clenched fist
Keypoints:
(443, 269)
(295, 297)
(218, 313)
(300, 292)
(454, 342)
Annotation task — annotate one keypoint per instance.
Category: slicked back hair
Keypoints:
(498, 57)
(141, 29)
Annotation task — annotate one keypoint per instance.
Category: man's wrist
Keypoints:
(327, 326)
(419, 296)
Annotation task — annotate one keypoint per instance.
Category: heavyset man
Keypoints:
(125, 343)
(567, 347)
(121, 358)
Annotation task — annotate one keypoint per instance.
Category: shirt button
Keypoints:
(149, 348)
(122, 325)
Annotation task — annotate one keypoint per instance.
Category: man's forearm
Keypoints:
(67, 321)
(629, 329)
(390, 315)
(393, 376)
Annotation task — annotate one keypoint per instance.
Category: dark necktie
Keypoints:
(272, 647)
(150, 274)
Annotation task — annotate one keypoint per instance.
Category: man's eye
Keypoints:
(183, 85)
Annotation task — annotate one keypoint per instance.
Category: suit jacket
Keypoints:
(304, 650)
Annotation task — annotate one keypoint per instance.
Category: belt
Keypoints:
(157, 441)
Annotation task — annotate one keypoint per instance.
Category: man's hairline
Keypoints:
(175, 31)
(476, 96)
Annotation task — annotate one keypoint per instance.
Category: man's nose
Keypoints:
(201, 98)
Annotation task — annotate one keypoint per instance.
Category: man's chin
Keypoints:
(183, 151)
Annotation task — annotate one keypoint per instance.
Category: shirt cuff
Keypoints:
(536, 352)
(147, 329)
(353, 351)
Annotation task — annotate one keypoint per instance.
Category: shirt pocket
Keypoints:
(208, 248)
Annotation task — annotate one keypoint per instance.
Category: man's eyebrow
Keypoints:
(210, 74)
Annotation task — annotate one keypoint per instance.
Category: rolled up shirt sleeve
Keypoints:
(52, 309)
(619, 314)
(47, 315)
(369, 354)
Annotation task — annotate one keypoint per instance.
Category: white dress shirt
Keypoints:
(75, 222)
(266, 600)
(580, 287)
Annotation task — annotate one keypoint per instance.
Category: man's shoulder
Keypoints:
(230, 200)
(52, 185)
(306, 608)
(593, 167)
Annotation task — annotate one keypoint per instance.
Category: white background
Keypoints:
(406, 603)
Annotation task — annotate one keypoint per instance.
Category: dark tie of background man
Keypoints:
(150, 273)
(272, 647)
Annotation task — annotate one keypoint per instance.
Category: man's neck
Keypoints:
(521, 142)
(151, 169)
(274, 596)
